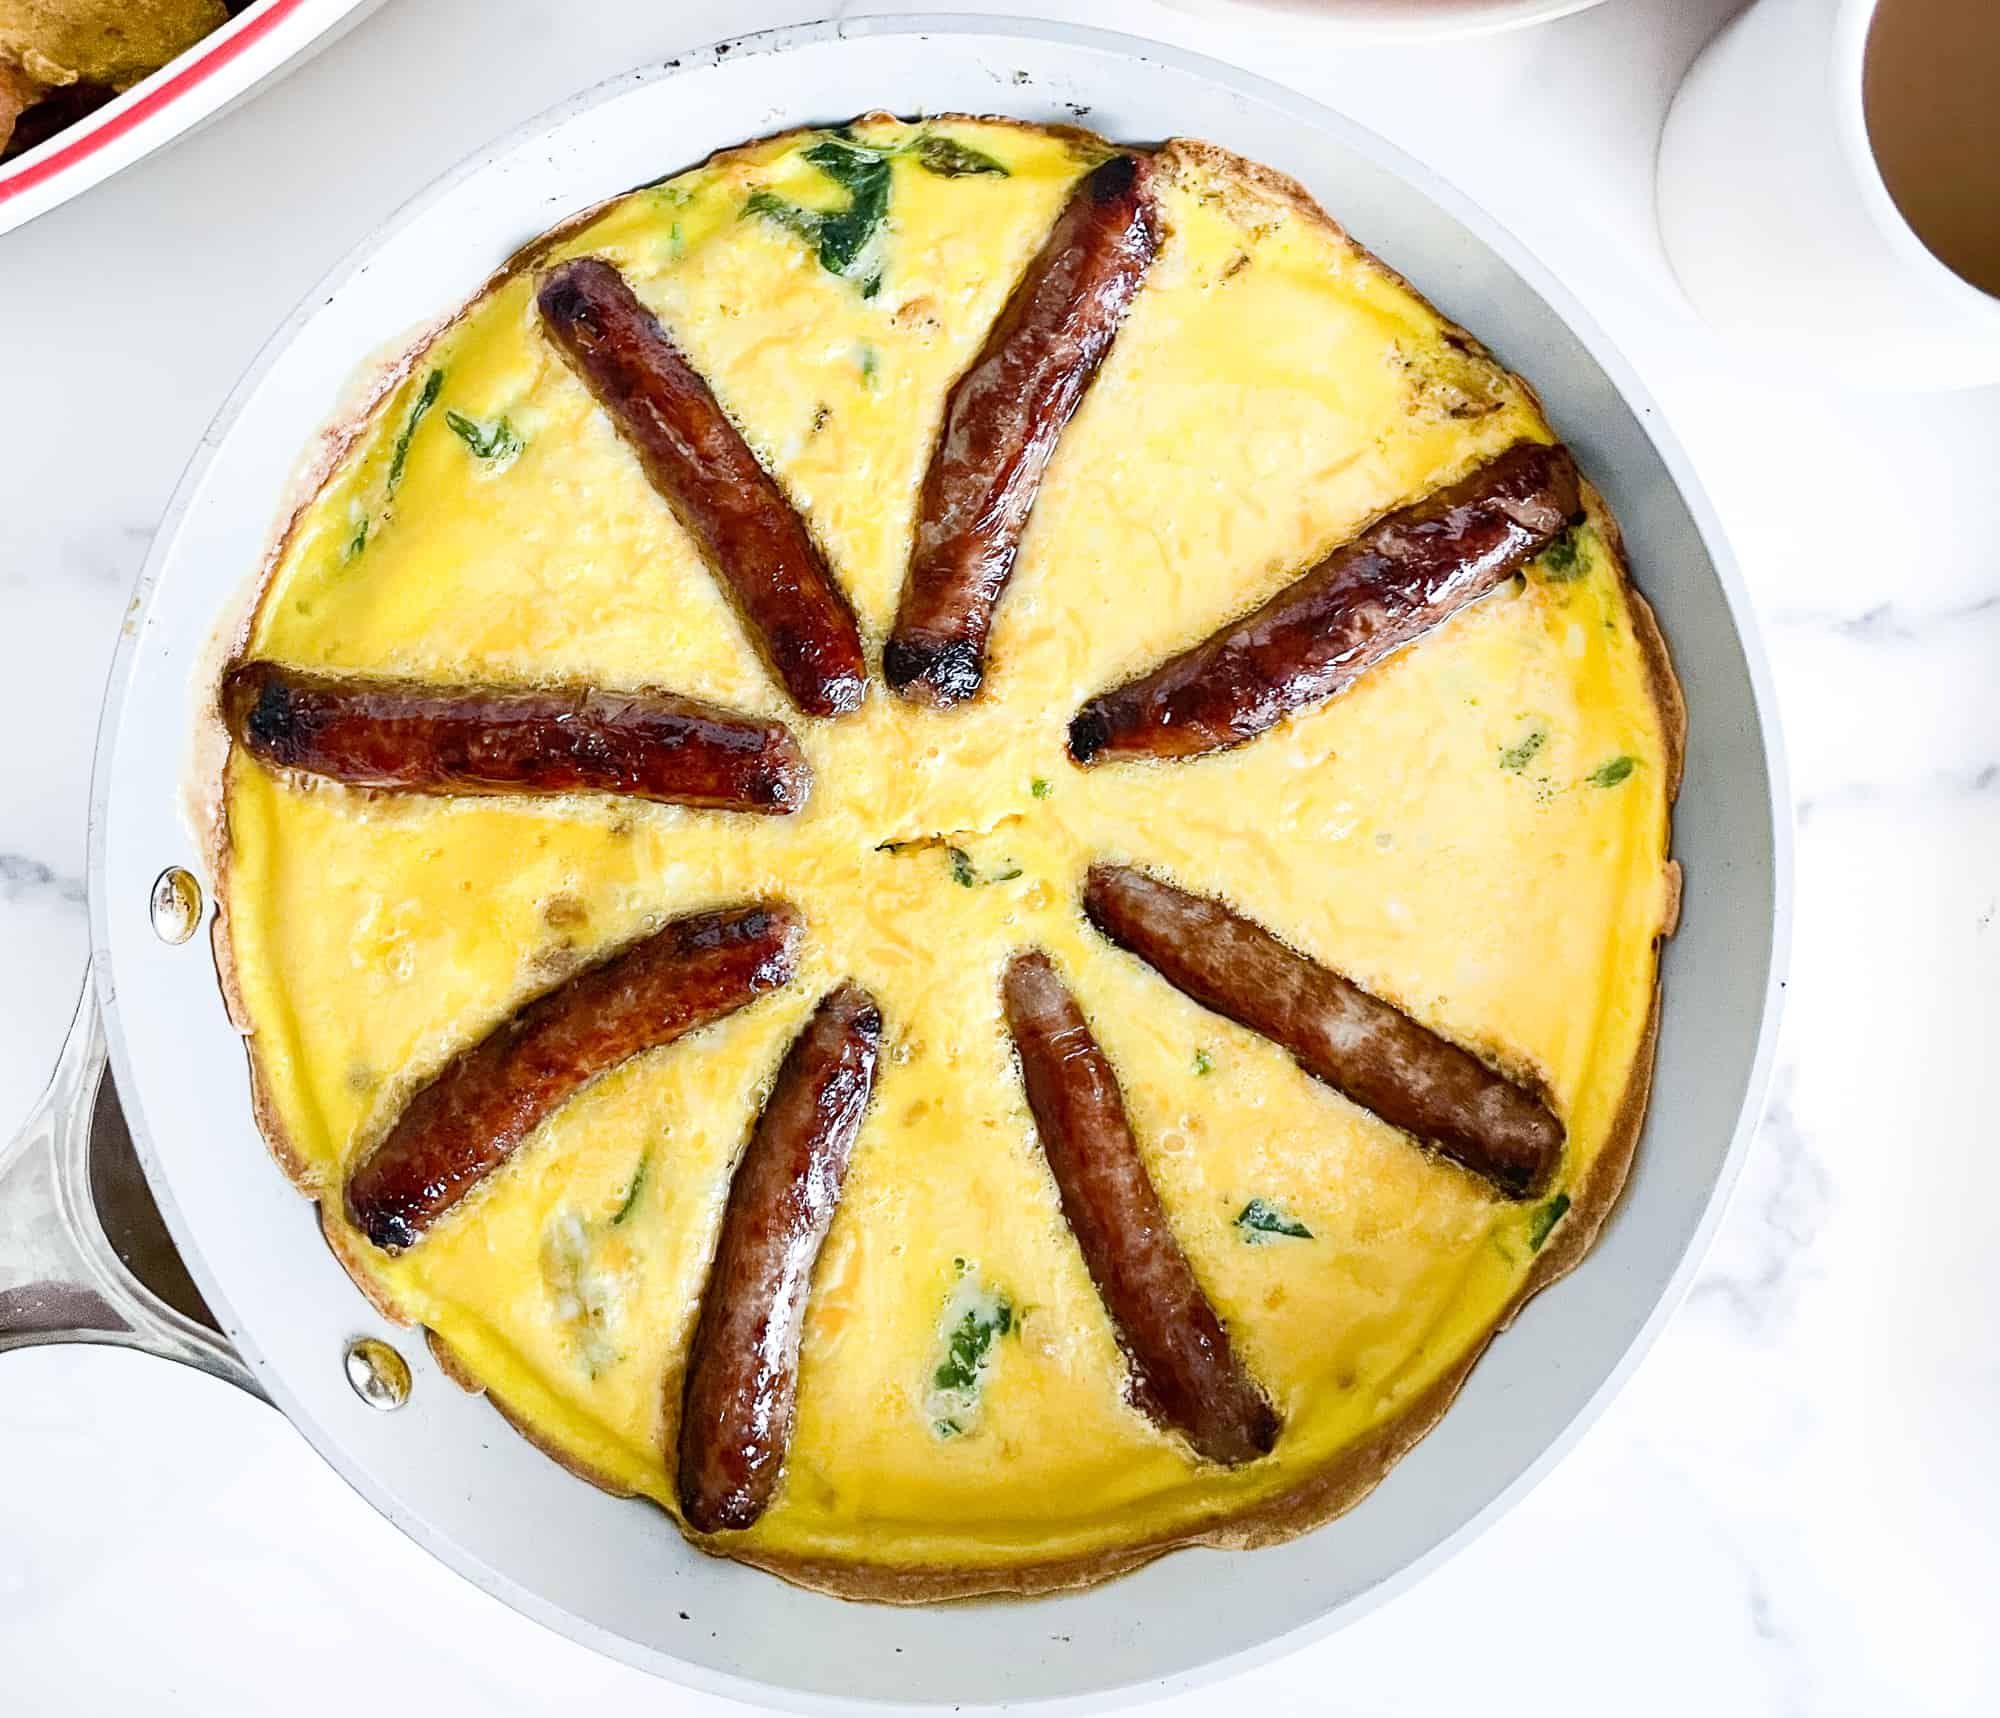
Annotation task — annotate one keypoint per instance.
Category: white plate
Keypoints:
(615, 1574)
(256, 45)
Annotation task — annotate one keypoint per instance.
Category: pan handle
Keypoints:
(61, 1279)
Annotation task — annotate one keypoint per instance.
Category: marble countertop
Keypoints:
(1793, 1507)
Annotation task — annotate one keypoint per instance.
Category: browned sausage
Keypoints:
(1002, 423)
(471, 739)
(467, 1122)
(743, 1369)
(1407, 573)
(1184, 1374)
(704, 470)
(1366, 1050)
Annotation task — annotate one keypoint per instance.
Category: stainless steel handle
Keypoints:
(62, 1278)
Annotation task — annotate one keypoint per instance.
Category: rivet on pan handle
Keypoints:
(61, 1279)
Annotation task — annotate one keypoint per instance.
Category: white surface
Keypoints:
(611, 1577)
(1793, 1507)
(1778, 223)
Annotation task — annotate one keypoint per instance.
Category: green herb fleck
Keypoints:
(495, 440)
(1562, 560)
(676, 245)
(962, 870)
(630, 1202)
(870, 361)
(975, 1318)
(1612, 773)
(433, 383)
(1260, 1220)
(1545, 1218)
(1517, 757)
(966, 1347)
(950, 159)
(359, 541)
(1203, 1062)
(1041, 787)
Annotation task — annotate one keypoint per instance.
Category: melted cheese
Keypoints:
(1439, 833)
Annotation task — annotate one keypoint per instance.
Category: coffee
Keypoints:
(1931, 92)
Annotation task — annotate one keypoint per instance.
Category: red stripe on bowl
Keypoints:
(208, 59)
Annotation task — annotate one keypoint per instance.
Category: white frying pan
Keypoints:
(615, 1574)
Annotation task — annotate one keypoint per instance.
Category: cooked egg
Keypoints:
(1271, 390)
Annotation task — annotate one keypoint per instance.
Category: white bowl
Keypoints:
(254, 47)
(615, 1574)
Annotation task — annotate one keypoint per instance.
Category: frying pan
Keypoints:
(615, 1574)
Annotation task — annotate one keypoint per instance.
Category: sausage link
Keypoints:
(1002, 422)
(743, 1370)
(1410, 571)
(470, 739)
(704, 470)
(1366, 1050)
(1184, 1374)
(468, 1121)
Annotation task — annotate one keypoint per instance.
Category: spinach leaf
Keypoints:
(1612, 773)
(962, 872)
(433, 383)
(1204, 1064)
(629, 1203)
(1545, 1218)
(1260, 1220)
(847, 161)
(843, 238)
(950, 159)
(804, 222)
(1561, 560)
(496, 440)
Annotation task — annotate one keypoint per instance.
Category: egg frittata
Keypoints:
(1476, 832)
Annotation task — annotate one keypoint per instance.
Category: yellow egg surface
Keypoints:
(1477, 832)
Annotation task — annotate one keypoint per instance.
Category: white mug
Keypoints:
(1778, 222)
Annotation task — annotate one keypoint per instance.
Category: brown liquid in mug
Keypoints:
(1931, 91)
